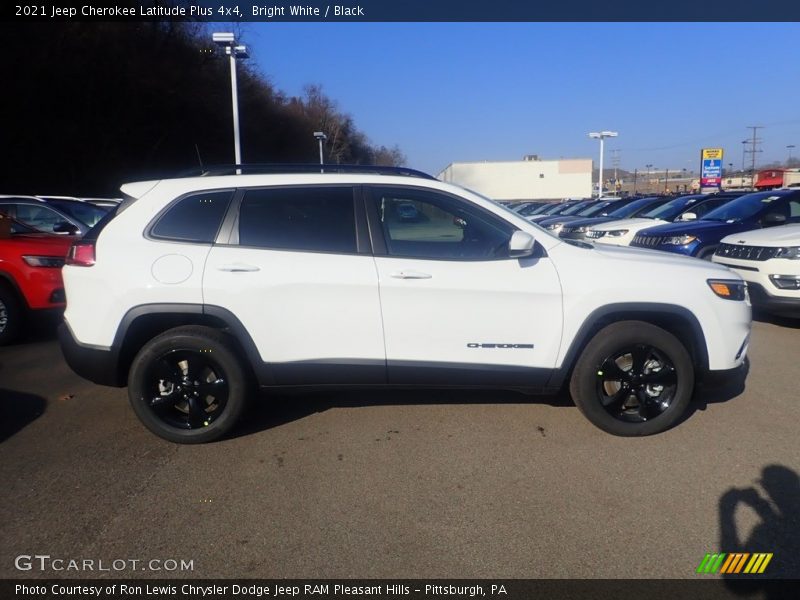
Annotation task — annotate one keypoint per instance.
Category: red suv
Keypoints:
(30, 275)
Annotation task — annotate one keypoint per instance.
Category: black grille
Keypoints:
(746, 252)
(647, 241)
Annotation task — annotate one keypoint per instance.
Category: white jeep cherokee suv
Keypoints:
(197, 288)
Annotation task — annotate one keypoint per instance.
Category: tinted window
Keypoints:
(429, 225)
(671, 209)
(629, 210)
(315, 218)
(40, 217)
(749, 206)
(195, 218)
(86, 213)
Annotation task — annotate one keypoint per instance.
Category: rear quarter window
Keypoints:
(194, 218)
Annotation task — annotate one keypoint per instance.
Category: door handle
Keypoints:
(410, 275)
(238, 268)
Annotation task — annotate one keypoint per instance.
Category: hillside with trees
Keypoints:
(88, 106)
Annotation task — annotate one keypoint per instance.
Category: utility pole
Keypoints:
(615, 162)
(754, 150)
(635, 174)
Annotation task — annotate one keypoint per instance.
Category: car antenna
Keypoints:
(199, 159)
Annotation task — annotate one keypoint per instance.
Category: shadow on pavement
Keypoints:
(272, 410)
(17, 410)
(717, 388)
(775, 499)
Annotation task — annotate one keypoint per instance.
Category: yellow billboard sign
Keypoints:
(712, 153)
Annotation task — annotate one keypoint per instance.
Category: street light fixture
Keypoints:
(601, 135)
(648, 176)
(228, 41)
(321, 137)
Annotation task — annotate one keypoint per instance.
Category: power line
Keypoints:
(754, 149)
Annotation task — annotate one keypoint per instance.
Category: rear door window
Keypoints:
(314, 218)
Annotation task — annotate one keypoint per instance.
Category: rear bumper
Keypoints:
(98, 365)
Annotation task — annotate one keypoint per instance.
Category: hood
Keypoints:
(783, 235)
(552, 220)
(658, 257)
(700, 227)
(588, 222)
(628, 223)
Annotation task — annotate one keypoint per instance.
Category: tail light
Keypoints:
(81, 254)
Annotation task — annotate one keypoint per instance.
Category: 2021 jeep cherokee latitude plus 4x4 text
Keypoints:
(200, 288)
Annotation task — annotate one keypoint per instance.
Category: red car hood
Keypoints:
(35, 243)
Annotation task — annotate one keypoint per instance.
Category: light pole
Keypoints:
(601, 135)
(321, 137)
(228, 41)
(648, 176)
(790, 147)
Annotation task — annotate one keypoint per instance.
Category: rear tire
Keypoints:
(11, 315)
(633, 379)
(188, 386)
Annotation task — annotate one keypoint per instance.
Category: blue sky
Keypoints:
(449, 92)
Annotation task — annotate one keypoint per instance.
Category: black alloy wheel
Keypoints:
(188, 385)
(636, 384)
(633, 378)
(186, 389)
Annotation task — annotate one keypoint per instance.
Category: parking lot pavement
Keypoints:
(399, 484)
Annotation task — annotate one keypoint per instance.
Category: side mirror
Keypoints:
(521, 244)
(773, 219)
(688, 216)
(64, 227)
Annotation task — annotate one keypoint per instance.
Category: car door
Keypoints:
(301, 279)
(456, 309)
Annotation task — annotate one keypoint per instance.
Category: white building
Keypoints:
(527, 179)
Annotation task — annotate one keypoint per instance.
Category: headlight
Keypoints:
(617, 233)
(792, 253)
(577, 230)
(728, 289)
(555, 226)
(594, 234)
(53, 262)
(679, 240)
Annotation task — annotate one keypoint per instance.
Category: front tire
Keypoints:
(633, 379)
(187, 385)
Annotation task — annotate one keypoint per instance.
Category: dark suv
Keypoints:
(700, 238)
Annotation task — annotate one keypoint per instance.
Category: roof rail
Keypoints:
(261, 168)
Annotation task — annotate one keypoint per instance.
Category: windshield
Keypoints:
(86, 213)
(593, 209)
(743, 207)
(631, 209)
(670, 210)
(575, 208)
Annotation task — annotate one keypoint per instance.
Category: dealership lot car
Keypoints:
(197, 287)
(30, 275)
(577, 230)
(622, 232)
(769, 260)
(53, 215)
(700, 238)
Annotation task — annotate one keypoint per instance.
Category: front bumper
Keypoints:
(779, 305)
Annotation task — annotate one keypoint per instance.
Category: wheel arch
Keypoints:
(677, 320)
(7, 280)
(144, 322)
